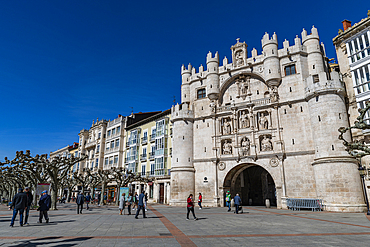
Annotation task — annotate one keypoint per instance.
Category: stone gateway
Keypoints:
(265, 127)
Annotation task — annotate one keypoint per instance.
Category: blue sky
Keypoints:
(65, 63)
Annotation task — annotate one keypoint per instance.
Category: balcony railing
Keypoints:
(151, 155)
(90, 144)
(159, 172)
(144, 140)
(143, 157)
(152, 138)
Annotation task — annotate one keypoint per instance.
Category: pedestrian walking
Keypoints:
(134, 207)
(80, 202)
(190, 207)
(237, 202)
(45, 204)
(105, 198)
(88, 199)
(200, 201)
(19, 203)
(141, 205)
(122, 203)
(129, 202)
(29, 202)
(228, 201)
(146, 201)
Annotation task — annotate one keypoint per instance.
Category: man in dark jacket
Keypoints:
(80, 203)
(141, 205)
(237, 202)
(29, 202)
(19, 203)
(45, 204)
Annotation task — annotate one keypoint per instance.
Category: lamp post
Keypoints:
(362, 175)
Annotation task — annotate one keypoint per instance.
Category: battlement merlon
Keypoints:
(214, 59)
(314, 34)
(182, 112)
(266, 39)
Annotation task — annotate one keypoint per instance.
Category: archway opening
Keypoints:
(254, 185)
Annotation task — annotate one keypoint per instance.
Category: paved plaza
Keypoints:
(167, 226)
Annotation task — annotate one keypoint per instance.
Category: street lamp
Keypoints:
(362, 175)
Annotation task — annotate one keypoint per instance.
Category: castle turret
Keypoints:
(182, 168)
(314, 55)
(185, 86)
(336, 175)
(271, 61)
(213, 86)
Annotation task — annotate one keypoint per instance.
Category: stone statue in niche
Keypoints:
(243, 87)
(245, 144)
(266, 144)
(227, 147)
(227, 127)
(274, 95)
(213, 106)
(263, 122)
(243, 120)
(239, 58)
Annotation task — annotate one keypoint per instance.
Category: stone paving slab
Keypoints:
(167, 226)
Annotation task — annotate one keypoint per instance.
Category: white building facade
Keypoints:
(265, 127)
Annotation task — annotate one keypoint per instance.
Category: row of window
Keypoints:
(160, 130)
(114, 131)
(156, 169)
(113, 160)
(112, 144)
(361, 79)
(358, 47)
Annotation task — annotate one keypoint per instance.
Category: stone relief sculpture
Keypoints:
(263, 122)
(274, 95)
(239, 58)
(243, 120)
(213, 106)
(245, 144)
(227, 127)
(227, 147)
(266, 144)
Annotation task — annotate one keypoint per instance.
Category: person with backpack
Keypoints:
(228, 200)
(87, 199)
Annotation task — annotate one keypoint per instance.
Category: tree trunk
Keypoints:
(102, 193)
(54, 195)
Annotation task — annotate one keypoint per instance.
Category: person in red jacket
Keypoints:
(190, 207)
(200, 201)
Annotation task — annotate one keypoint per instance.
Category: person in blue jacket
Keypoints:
(45, 204)
(141, 205)
(237, 202)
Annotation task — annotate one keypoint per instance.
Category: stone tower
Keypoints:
(336, 174)
(182, 168)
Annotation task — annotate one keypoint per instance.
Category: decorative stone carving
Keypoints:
(243, 120)
(227, 147)
(274, 162)
(239, 53)
(213, 106)
(263, 121)
(226, 128)
(221, 166)
(245, 145)
(266, 144)
(274, 95)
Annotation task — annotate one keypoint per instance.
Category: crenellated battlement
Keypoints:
(266, 39)
(210, 58)
(314, 34)
(181, 112)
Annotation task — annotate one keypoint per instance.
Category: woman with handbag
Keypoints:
(122, 203)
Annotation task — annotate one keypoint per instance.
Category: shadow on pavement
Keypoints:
(49, 240)
(52, 222)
